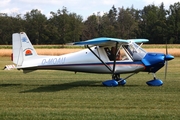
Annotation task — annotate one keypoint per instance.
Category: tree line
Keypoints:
(152, 22)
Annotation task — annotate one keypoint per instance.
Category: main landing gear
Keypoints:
(116, 80)
(120, 81)
(155, 81)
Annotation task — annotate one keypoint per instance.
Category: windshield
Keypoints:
(135, 51)
(136, 48)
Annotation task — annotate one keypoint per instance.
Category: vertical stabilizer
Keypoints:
(22, 48)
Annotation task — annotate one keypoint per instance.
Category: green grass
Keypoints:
(65, 95)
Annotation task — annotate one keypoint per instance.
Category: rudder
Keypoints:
(22, 48)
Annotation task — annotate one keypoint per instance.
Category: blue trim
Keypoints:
(155, 82)
(101, 40)
(110, 83)
(108, 63)
(169, 57)
(153, 61)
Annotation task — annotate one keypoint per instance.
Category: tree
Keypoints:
(76, 27)
(110, 22)
(161, 25)
(149, 23)
(174, 23)
(66, 26)
(127, 24)
(90, 27)
(36, 26)
(9, 25)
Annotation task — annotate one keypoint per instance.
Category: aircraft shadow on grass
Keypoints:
(64, 86)
(9, 85)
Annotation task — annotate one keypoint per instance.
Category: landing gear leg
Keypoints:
(118, 79)
(154, 76)
(155, 81)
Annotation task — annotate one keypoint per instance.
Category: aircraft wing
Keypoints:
(105, 41)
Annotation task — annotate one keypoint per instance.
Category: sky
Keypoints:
(84, 8)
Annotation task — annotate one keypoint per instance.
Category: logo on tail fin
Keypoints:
(24, 39)
(28, 52)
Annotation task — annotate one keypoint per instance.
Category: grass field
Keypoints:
(64, 95)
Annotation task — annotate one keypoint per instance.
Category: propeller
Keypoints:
(166, 62)
(167, 58)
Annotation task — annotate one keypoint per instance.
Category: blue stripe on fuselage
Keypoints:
(91, 64)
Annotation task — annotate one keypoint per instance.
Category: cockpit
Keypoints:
(130, 51)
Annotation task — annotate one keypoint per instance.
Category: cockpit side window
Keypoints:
(120, 55)
(111, 53)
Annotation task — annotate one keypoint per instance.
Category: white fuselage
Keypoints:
(82, 61)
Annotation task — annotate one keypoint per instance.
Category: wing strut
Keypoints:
(114, 64)
(115, 76)
(100, 59)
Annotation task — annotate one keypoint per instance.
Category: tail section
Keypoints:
(22, 48)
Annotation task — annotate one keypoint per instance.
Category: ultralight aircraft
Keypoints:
(102, 55)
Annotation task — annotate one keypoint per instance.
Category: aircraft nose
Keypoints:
(168, 57)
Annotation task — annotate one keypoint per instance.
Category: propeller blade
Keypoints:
(166, 48)
(166, 64)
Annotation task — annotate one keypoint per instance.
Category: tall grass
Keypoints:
(173, 51)
(7, 52)
(161, 46)
(56, 51)
(46, 46)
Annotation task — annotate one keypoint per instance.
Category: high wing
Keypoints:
(105, 41)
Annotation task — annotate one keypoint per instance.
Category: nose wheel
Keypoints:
(155, 81)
